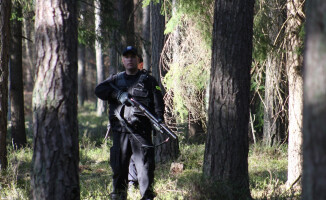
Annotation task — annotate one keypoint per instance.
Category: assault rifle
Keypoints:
(159, 126)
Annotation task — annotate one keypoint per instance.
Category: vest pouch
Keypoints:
(139, 92)
(142, 96)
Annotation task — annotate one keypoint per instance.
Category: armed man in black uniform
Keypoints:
(130, 128)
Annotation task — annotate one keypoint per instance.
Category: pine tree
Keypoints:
(294, 63)
(18, 133)
(55, 172)
(5, 11)
(314, 108)
(226, 150)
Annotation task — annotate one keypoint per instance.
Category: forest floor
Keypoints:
(180, 179)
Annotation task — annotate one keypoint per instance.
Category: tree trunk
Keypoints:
(157, 34)
(18, 133)
(294, 73)
(101, 105)
(81, 74)
(126, 8)
(115, 43)
(226, 153)
(314, 108)
(91, 73)
(124, 35)
(56, 151)
(82, 60)
(5, 11)
(273, 120)
(146, 44)
(114, 61)
(168, 150)
(195, 133)
(29, 51)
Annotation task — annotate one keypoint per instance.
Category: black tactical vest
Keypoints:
(140, 90)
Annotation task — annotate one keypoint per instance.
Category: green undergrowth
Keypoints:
(180, 179)
(268, 173)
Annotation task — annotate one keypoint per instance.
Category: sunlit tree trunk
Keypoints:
(101, 105)
(18, 133)
(168, 150)
(146, 45)
(274, 96)
(226, 153)
(294, 72)
(314, 108)
(5, 8)
(81, 74)
(55, 173)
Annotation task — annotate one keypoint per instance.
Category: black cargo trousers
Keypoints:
(140, 146)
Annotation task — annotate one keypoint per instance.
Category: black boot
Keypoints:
(118, 196)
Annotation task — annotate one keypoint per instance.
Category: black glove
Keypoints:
(123, 97)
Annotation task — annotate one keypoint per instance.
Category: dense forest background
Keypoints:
(241, 80)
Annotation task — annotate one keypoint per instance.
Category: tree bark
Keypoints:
(5, 11)
(226, 153)
(168, 150)
(196, 132)
(29, 51)
(274, 97)
(18, 133)
(114, 61)
(314, 108)
(56, 152)
(294, 65)
(101, 105)
(146, 33)
(157, 34)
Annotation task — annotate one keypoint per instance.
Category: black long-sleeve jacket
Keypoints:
(142, 87)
